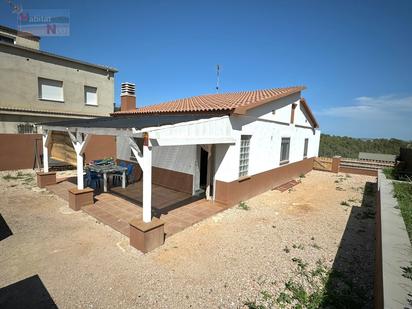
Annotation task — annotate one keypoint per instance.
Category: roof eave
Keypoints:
(314, 123)
(242, 110)
(51, 55)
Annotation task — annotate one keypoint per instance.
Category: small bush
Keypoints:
(390, 173)
(244, 206)
(302, 176)
(305, 290)
(312, 288)
(286, 249)
(344, 203)
(403, 193)
(9, 177)
(407, 271)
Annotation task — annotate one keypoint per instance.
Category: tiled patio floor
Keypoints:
(117, 207)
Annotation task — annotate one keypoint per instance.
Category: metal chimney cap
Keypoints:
(128, 89)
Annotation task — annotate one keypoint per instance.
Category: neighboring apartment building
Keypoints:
(37, 86)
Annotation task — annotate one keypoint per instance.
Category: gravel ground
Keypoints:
(219, 263)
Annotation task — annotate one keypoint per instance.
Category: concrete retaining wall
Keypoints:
(394, 250)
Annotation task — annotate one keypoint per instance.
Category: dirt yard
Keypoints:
(57, 256)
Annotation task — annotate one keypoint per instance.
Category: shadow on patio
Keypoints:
(119, 206)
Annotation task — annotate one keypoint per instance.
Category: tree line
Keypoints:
(349, 147)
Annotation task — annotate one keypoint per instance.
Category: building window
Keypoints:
(90, 95)
(26, 128)
(305, 148)
(51, 90)
(6, 39)
(244, 155)
(284, 150)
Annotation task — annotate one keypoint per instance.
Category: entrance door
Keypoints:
(203, 168)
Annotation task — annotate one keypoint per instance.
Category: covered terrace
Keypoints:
(142, 132)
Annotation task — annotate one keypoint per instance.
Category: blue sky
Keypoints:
(354, 56)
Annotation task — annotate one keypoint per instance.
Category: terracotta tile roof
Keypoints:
(238, 102)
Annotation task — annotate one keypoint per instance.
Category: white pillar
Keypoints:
(80, 180)
(79, 146)
(209, 171)
(147, 183)
(45, 152)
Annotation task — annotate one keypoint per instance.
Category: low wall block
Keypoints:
(79, 198)
(394, 250)
(46, 179)
(146, 236)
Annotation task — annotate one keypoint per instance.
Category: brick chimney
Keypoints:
(128, 97)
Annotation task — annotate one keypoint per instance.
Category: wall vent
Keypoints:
(128, 89)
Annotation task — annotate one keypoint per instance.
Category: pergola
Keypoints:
(155, 130)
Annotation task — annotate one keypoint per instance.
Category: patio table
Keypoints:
(109, 169)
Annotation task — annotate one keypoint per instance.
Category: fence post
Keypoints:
(335, 164)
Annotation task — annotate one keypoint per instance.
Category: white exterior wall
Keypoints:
(176, 158)
(267, 130)
(182, 159)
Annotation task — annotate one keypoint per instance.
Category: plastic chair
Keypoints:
(129, 173)
(92, 179)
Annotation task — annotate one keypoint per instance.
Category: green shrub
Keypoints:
(403, 193)
(390, 173)
(244, 206)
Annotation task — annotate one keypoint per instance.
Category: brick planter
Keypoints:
(146, 236)
(46, 179)
(79, 198)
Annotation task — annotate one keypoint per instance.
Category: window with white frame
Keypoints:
(305, 148)
(90, 95)
(51, 90)
(244, 155)
(284, 150)
(7, 39)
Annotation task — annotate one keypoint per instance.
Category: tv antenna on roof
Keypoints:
(217, 78)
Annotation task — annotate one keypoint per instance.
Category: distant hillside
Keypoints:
(349, 147)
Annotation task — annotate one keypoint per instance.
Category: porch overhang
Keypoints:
(169, 131)
(155, 130)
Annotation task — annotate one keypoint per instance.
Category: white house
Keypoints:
(230, 146)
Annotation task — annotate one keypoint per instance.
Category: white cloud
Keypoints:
(365, 107)
(373, 116)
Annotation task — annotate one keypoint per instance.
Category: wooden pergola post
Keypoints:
(147, 180)
(79, 145)
(46, 178)
(46, 142)
(145, 161)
